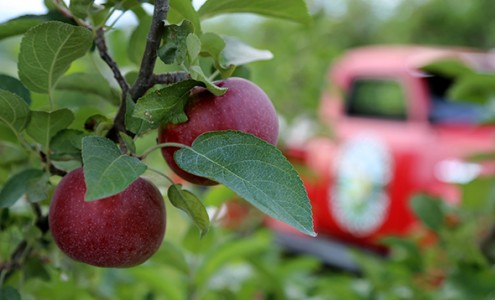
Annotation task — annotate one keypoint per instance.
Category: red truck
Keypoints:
(395, 133)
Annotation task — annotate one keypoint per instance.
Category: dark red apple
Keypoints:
(123, 230)
(244, 107)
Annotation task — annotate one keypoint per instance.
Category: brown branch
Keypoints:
(119, 121)
(142, 83)
(103, 50)
(169, 78)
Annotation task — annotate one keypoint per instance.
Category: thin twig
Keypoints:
(119, 121)
(103, 50)
(150, 53)
(169, 78)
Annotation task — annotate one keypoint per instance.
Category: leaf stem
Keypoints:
(159, 146)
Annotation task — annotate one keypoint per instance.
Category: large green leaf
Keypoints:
(89, 83)
(14, 112)
(293, 10)
(45, 125)
(191, 205)
(47, 51)
(255, 170)
(165, 105)
(106, 171)
(18, 185)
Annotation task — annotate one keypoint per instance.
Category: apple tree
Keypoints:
(71, 167)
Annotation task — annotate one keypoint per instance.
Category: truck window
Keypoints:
(377, 98)
(444, 110)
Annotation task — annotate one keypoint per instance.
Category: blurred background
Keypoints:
(224, 266)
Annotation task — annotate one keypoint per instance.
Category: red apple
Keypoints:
(123, 230)
(244, 107)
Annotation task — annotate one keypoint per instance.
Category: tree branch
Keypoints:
(103, 50)
(119, 121)
(142, 83)
(168, 78)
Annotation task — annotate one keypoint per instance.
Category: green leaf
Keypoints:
(9, 293)
(232, 250)
(15, 86)
(66, 145)
(165, 105)
(237, 53)
(191, 205)
(47, 51)
(129, 142)
(293, 10)
(80, 8)
(11, 153)
(106, 171)
(14, 112)
(137, 41)
(429, 210)
(197, 74)
(44, 125)
(174, 49)
(134, 124)
(255, 170)
(20, 25)
(447, 67)
(37, 188)
(173, 256)
(34, 267)
(213, 45)
(89, 83)
(17, 186)
(186, 11)
(473, 87)
(218, 195)
(193, 44)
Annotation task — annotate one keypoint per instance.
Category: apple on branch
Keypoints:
(244, 107)
(122, 230)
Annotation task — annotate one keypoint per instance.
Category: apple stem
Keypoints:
(159, 146)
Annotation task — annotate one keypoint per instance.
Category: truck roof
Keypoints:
(404, 58)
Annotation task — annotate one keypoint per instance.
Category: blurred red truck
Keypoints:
(395, 134)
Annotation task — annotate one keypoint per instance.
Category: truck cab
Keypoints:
(395, 133)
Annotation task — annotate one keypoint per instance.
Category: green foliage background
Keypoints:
(246, 264)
